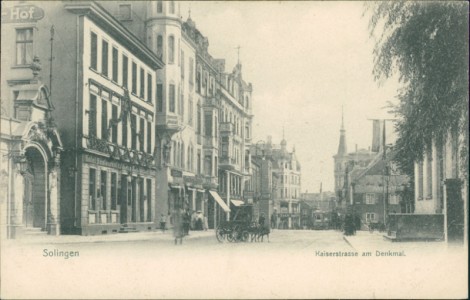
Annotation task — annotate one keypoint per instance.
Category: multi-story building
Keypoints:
(285, 183)
(102, 81)
(203, 114)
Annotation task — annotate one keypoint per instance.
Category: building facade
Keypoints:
(441, 186)
(203, 113)
(103, 81)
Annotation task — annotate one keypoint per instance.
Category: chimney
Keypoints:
(270, 140)
(376, 136)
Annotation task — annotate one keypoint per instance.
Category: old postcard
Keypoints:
(234, 150)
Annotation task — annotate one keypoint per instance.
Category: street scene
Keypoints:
(234, 149)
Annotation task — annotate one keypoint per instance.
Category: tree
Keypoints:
(427, 44)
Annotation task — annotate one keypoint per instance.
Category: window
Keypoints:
(24, 46)
(172, 98)
(92, 117)
(92, 189)
(394, 199)
(429, 175)
(104, 58)
(115, 65)
(159, 45)
(94, 51)
(149, 200)
(141, 135)
(191, 112)
(208, 124)
(198, 81)
(125, 71)
(133, 132)
(370, 198)
(124, 131)
(125, 12)
(113, 191)
(181, 103)
(198, 161)
(149, 137)
(198, 119)
(114, 128)
(103, 190)
(149, 88)
(172, 7)
(159, 97)
(134, 78)
(420, 180)
(370, 217)
(104, 120)
(191, 71)
(159, 6)
(171, 49)
(182, 64)
(142, 83)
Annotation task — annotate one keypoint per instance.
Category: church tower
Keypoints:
(340, 159)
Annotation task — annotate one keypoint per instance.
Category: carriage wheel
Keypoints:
(219, 234)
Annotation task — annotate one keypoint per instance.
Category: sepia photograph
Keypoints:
(234, 149)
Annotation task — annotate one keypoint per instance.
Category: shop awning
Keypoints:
(237, 202)
(220, 201)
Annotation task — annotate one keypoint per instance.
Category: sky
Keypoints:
(305, 60)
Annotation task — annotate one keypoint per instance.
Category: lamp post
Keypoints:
(257, 147)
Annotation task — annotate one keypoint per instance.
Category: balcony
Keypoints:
(226, 128)
(227, 163)
(169, 122)
(211, 182)
(121, 153)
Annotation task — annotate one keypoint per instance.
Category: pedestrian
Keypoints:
(163, 222)
(178, 226)
(186, 222)
(273, 220)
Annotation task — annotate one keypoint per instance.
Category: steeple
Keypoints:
(342, 149)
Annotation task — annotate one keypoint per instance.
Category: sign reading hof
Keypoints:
(22, 14)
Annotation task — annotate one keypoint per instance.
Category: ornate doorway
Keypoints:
(35, 190)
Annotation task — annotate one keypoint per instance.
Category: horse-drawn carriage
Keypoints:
(241, 229)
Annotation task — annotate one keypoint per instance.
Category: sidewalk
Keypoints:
(364, 240)
(116, 237)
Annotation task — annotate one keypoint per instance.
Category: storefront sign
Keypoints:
(22, 14)
(193, 180)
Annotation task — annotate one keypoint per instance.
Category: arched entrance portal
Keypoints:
(35, 190)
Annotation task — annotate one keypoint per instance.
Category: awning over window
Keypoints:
(219, 200)
(237, 202)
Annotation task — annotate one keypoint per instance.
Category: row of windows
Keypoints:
(288, 193)
(141, 81)
(99, 199)
(371, 198)
(109, 129)
(294, 179)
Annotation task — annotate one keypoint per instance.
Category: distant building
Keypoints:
(375, 190)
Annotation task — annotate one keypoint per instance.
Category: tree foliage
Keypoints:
(427, 44)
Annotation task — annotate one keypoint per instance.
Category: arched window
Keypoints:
(247, 102)
(159, 7)
(171, 49)
(160, 45)
(188, 164)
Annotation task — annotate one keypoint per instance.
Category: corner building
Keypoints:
(203, 114)
(102, 82)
